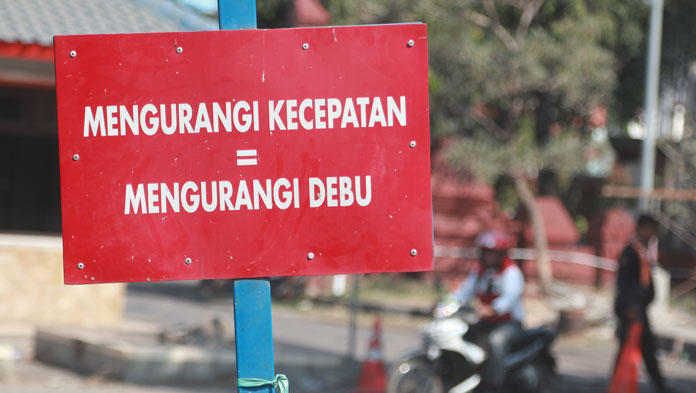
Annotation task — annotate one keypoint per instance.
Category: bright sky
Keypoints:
(206, 6)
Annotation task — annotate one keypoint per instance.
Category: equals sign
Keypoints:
(246, 157)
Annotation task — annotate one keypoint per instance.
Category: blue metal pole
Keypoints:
(253, 331)
(252, 298)
(237, 14)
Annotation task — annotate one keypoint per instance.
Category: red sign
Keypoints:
(251, 153)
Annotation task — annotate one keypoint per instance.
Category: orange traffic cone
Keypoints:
(625, 378)
(373, 374)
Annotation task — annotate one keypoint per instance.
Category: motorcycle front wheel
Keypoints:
(415, 375)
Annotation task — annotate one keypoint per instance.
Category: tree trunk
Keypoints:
(540, 242)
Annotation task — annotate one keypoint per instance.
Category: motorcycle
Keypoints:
(450, 363)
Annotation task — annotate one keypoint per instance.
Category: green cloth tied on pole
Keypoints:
(280, 382)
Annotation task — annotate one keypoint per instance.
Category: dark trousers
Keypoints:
(497, 339)
(648, 346)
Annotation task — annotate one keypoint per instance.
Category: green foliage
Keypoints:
(488, 159)
(506, 194)
(509, 75)
(272, 13)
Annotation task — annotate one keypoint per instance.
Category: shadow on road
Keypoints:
(197, 290)
(568, 383)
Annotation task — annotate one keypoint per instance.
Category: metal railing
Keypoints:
(574, 257)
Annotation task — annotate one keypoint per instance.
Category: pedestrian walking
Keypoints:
(634, 292)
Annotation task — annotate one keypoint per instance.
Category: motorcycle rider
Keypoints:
(498, 284)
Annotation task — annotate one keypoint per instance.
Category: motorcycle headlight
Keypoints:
(450, 309)
(433, 352)
(446, 310)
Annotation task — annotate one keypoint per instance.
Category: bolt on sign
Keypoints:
(240, 154)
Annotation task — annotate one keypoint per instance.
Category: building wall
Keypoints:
(33, 293)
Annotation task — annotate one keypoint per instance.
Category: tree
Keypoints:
(517, 159)
(533, 65)
(539, 67)
(513, 82)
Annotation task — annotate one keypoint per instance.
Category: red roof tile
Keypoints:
(560, 228)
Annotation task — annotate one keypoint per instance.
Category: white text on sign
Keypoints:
(222, 195)
(243, 116)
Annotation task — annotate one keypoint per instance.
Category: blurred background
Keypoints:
(553, 120)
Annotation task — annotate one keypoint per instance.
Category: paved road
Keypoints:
(289, 326)
(583, 363)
